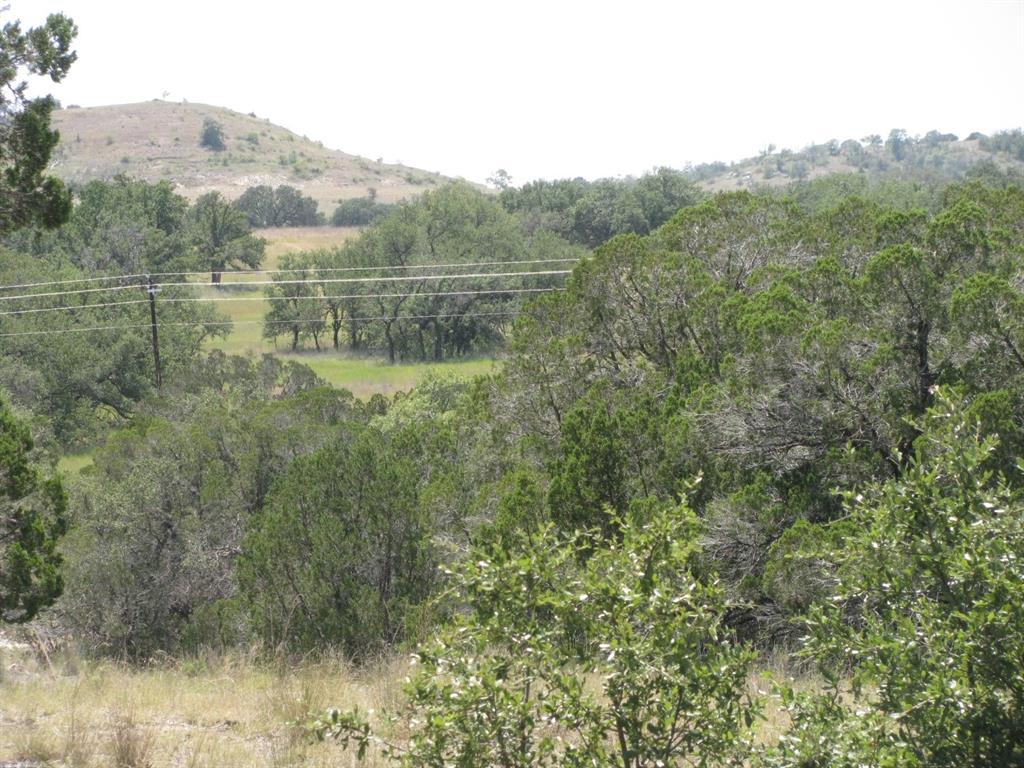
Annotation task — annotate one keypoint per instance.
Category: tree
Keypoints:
(294, 209)
(662, 193)
(257, 203)
(342, 550)
(281, 207)
(222, 236)
(120, 225)
(212, 135)
(897, 143)
(500, 180)
(359, 212)
(436, 313)
(338, 308)
(27, 195)
(83, 383)
(295, 306)
(609, 208)
(32, 519)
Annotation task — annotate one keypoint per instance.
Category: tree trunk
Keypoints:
(438, 342)
(391, 342)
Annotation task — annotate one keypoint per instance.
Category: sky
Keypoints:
(558, 88)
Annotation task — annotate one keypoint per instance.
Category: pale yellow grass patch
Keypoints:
(225, 711)
(287, 240)
(221, 712)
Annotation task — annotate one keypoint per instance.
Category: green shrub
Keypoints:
(212, 135)
(33, 516)
(341, 552)
(620, 660)
(359, 212)
(927, 614)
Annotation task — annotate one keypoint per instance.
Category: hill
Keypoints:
(159, 140)
(935, 156)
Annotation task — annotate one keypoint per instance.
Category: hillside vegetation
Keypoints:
(727, 427)
(160, 141)
(692, 402)
(933, 157)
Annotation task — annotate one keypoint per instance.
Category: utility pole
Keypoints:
(152, 290)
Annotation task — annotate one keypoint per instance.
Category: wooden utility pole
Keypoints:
(152, 290)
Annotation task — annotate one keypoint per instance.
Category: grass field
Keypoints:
(216, 711)
(74, 463)
(285, 240)
(362, 376)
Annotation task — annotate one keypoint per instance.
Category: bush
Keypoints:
(212, 135)
(342, 550)
(359, 212)
(927, 612)
(32, 519)
(509, 681)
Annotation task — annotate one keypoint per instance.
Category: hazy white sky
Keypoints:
(553, 89)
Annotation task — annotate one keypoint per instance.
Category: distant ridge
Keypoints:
(159, 140)
(934, 156)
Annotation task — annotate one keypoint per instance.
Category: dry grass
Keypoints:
(219, 711)
(159, 140)
(285, 240)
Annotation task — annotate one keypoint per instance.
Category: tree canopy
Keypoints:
(27, 195)
(32, 517)
(283, 206)
(222, 236)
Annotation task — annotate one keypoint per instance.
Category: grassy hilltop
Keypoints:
(159, 140)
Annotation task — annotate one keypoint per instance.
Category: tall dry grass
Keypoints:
(222, 711)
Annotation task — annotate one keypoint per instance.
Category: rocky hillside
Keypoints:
(161, 140)
(934, 156)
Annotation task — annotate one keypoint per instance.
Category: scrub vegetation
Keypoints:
(635, 444)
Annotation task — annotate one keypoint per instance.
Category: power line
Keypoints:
(262, 297)
(318, 270)
(250, 322)
(71, 281)
(390, 279)
(386, 267)
(74, 292)
(353, 280)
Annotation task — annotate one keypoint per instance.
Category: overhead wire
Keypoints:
(195, 323)
(262, 297)
(74, 292)
(354, 280)
(312, 269)
(387, 279)
(385, 267)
